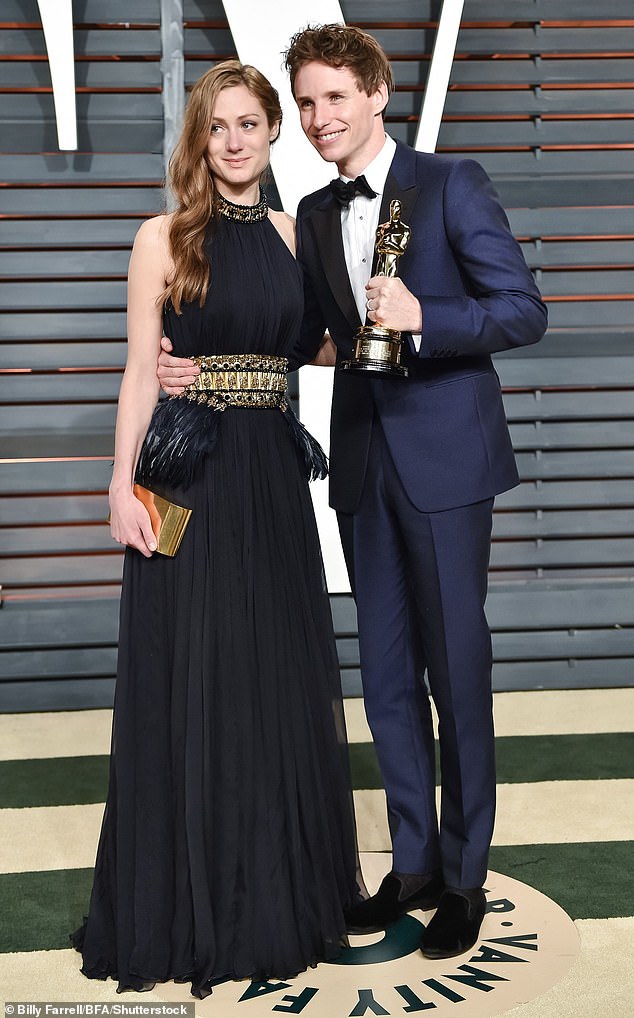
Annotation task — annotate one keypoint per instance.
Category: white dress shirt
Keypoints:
(359, 222)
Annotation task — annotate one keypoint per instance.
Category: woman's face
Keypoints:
(239, 140)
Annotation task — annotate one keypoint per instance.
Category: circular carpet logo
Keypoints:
(527, 943)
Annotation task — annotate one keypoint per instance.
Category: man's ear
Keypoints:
(381, 98)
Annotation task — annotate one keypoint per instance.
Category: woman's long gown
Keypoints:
(228, 846)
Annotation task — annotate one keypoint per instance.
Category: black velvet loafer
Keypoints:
(392, 900)
(456, 924)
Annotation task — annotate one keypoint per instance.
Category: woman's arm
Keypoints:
(130, 522)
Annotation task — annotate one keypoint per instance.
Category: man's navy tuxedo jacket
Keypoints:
(444, 424)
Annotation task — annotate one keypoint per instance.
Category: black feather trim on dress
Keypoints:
(312, 454)
(182, 433)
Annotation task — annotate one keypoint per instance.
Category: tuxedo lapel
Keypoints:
(326, 220)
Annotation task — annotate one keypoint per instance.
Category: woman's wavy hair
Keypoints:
(191, 181)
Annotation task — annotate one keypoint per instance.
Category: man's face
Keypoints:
(339, 119)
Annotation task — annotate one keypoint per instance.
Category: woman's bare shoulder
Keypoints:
(155, 230)
(152, 243)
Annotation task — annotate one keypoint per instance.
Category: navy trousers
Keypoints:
(420, 582)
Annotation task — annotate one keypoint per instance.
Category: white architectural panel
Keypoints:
(438, 77)
(57, 22)
(261, 35)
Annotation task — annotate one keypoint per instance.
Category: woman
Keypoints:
(227, 848)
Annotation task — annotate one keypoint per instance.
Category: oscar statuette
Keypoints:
(377, 348)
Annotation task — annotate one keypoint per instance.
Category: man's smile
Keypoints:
(330, 135)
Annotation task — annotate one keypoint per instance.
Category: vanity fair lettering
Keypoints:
(480, 974)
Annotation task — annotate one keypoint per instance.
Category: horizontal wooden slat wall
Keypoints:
(67, 221)
(541, 94)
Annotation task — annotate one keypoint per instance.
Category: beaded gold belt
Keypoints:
(239, 380)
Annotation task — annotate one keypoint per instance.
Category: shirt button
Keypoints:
(364, 260)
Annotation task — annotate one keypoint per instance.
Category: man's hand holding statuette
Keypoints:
(390, 303)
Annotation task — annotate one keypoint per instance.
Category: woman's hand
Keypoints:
(130, 522)
(174, 373)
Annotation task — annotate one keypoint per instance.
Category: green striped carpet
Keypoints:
(565, 825)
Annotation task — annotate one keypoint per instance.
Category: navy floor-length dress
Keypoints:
(228, 848)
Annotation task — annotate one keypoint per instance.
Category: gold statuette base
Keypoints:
(168, 519)
(377, 350)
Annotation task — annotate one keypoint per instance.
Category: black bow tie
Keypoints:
(344, 193)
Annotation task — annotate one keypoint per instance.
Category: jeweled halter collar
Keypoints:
(243, 213)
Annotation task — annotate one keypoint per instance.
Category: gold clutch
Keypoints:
(168, 519)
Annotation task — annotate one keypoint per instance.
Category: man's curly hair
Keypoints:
(341, 46)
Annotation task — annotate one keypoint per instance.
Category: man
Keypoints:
(415, 463)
